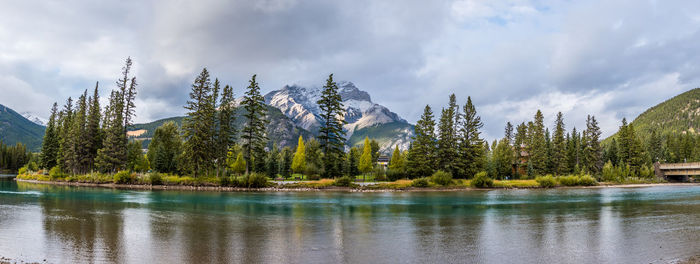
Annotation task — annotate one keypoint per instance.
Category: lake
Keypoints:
(66, 224)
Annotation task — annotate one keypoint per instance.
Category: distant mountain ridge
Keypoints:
(362, 115)
(15, 128)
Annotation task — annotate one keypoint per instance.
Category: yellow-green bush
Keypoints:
(546, 181)
(482, 180)
(344, 181)
(123, 177)
(441, 178)
(420, 183)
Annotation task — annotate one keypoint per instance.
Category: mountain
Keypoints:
(34, 118)
(680, 114)
(364, 117)
(15, 128)
(281, 130)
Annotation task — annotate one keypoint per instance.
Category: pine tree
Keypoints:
(50, 145)
(520, 145)
(365, 165)
(331, 134)
(502, 159)
(253, 133)
(299, 160)
(538, 145)
(65, 141)
(421, 162)
(80, 142)
(227, 129)
(353, 157)
(655, 147)
(164, 148)
(112, 156)
(592, 152)
(509, 136)
(197, 126)
(286, 162)
(314, 162)
(447, 138)
(559, 157)
(471, 146)
(272, 167)
(93, 131)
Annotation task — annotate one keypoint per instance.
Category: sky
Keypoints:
(610, 59)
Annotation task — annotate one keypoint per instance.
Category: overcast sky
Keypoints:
(612, 59)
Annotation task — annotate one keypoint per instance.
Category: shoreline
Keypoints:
(281, 188)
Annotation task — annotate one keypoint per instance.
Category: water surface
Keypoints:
(611, 225)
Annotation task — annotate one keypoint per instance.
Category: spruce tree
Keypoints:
(112, 156)
(421, 161)
(65, 141)
(331, 134)
(538, 145)
(286, 162)
(655, 146)
(197, 127)
(272, 166)
(559, 157)
(93, 130)
(471, 145)
(50, 144)
(447, 138)
(592, 152)
(299, 160)
(509, 136)
(520, 148)
(164, 148)
(227, 129)
(253, 133)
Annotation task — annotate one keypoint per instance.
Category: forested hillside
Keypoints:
(15, 128)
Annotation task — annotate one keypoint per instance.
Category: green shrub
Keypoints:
(420, 182)
(344, 181)
(22, 170)
(393, 175)
(570, 180)
(587, 180)
(155, 178)
(546, 181)
(256, 180)
(122, 177)
(441, 178)
(56, 173)
(482, 180)
(313, 177)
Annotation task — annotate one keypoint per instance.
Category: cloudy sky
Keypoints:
(612, 59)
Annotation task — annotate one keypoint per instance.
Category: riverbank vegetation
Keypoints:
(87, 143)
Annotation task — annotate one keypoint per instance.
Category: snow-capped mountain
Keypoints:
(299, 104)
(34, 118)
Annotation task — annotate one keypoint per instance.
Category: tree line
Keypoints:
(13, 157)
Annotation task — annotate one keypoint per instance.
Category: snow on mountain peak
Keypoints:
(34, 118)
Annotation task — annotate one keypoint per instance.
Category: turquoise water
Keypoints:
(610, 225)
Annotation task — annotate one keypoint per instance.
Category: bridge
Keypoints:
(678, 171)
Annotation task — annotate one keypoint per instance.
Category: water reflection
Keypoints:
(69, 224)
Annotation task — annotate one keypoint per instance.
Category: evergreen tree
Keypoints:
(538, 145)
(331, 134)
(50, 145)
(65, 141)
(510, 137)
(314, 161)
(299, 161)
(239, 165)
(520, 145)
(197, 127)
(365, 165)
(573, 145)
(164, 148)
(227, 129)
(447, 138)
(134, 156)
(272, 167)
(77, 162)
(253, 133)
(655, 147)
(592, 152)
(559, 157)
(501, 159)
(286, 162)
(421, 162)
(112, 156)
(611, 153)
(353, 158)
(93, 131)
(471, 146)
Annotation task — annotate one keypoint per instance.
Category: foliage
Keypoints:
(256, 180)
(345, 181)
(123, 177)
(238, 165)
(56, 172)
(13, 157)
(482, 180)
(394, 175)
(421, 160)
(299, 160)
(420, 182)
(365, 165)
(546, 181)
(253, 135)
(446, 152)
(331, 133)
(441, 178)
(165, 147)
(472, 158)
(197, 127)
(155, 178)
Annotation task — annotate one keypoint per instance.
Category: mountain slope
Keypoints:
(280, 130)
(15, 128)
(363, 116)
(680, 114)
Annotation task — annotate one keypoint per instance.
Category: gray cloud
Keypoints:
(612, 59)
